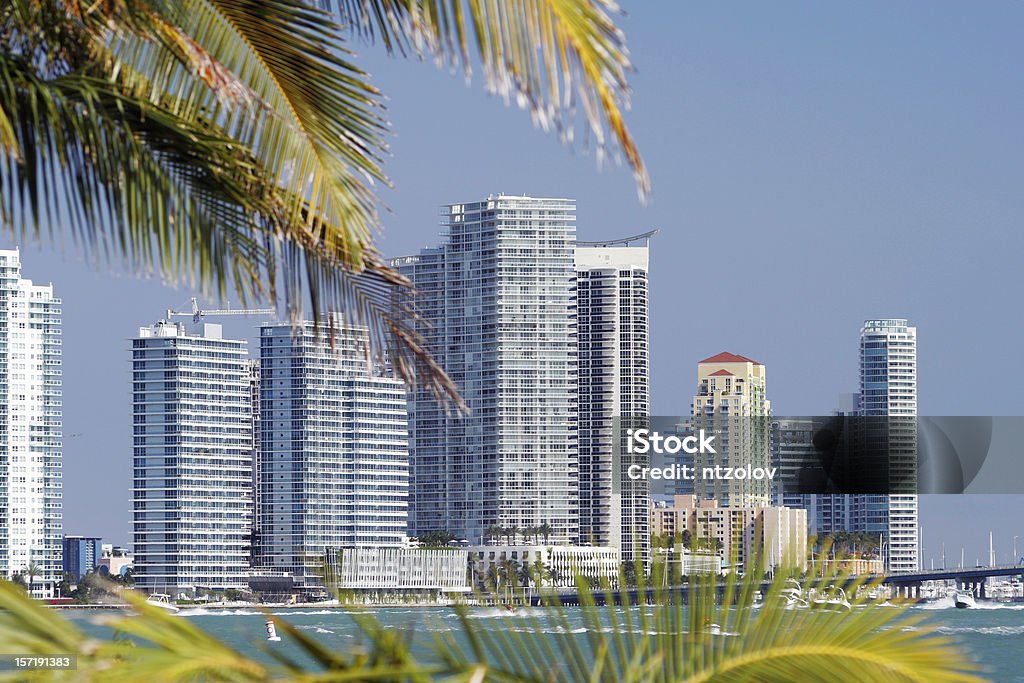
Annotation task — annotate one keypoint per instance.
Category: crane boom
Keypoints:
(198, 313)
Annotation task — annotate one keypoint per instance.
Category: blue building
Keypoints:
(81, 554)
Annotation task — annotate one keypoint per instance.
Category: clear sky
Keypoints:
(814, 164)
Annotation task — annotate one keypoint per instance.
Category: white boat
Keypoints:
(832, 598)
(963, 600)
(162, 601)
(793, 595)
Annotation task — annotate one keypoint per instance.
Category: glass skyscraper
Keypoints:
(612, 314)
(888, 388)
(193, 458)
(498, 310)
(333, 469)
(30, 428)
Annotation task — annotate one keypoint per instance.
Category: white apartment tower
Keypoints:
(30, 428)
(731, 402)
(888, 388)
(498, 307)
(612, 315)
(193, 458)
(333, 468)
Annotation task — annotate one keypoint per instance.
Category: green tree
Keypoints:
(545, 530)
(33, 572)
(234, 145)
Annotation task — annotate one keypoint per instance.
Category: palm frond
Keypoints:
(551, 56)
(227, 144)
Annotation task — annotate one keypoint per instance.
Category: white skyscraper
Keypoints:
(30, 428)
(333, 468)
(888, 388)
(614, 382)
(193, 459)
(499, 310)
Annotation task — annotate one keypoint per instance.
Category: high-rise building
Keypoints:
(333, 467)
(888, 388)
(498, 311)
(193, 459)
(82, 554)
(731, 403)
(614, 383)
(30, 428)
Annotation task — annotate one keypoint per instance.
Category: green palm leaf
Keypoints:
(552, 57)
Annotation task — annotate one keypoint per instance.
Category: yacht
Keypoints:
(963, 599)
(831, 598)
(163, 601)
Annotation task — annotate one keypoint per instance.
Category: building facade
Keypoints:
(888, 388)
(731, 402)
(30, 429)
(333, 468)
(193, 459)
(498, 312)
(613, 332)
(556, 565)
(737, 533)
(81, 554)
(398, 570)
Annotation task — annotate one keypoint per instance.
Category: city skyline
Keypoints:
(831, 170)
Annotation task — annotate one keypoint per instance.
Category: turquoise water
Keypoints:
(993, 634)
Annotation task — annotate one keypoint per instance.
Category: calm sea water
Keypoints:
(992, 634)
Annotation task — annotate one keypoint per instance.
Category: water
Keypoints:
(992, 634)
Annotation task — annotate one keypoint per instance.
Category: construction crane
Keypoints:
(198, 314)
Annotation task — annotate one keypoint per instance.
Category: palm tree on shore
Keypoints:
(237, 146)
(32, 572)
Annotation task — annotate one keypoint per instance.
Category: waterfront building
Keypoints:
(333, 467)
(497, 310)
(560, 563)
(736, 533)
(115, 561)
(391, 572)
(81, 554)
(30, 429)
(731, 402)
(192, 457)
(888, 388)
(613, 331)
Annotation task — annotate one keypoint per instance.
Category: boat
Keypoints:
(832, 598)
(963, 600)
(163, 601)
(793, 595)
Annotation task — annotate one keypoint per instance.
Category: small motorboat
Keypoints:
(963, 600)
(163, 601)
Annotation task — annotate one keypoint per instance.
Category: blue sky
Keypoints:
(813, 164)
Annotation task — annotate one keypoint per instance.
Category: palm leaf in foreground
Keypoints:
(662, 641)
(549, 55)
(666, 641)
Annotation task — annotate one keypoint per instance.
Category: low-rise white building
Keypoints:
(561, 562)
(443, 570)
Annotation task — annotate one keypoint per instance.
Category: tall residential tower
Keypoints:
(731, 403)
(498, 305)
(333, 467)
(30, 428)
(888, 388)
(193, 459)
(613, 332)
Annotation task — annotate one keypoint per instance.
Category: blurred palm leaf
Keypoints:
(552, 56)
(660, 641)
(235, 145)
